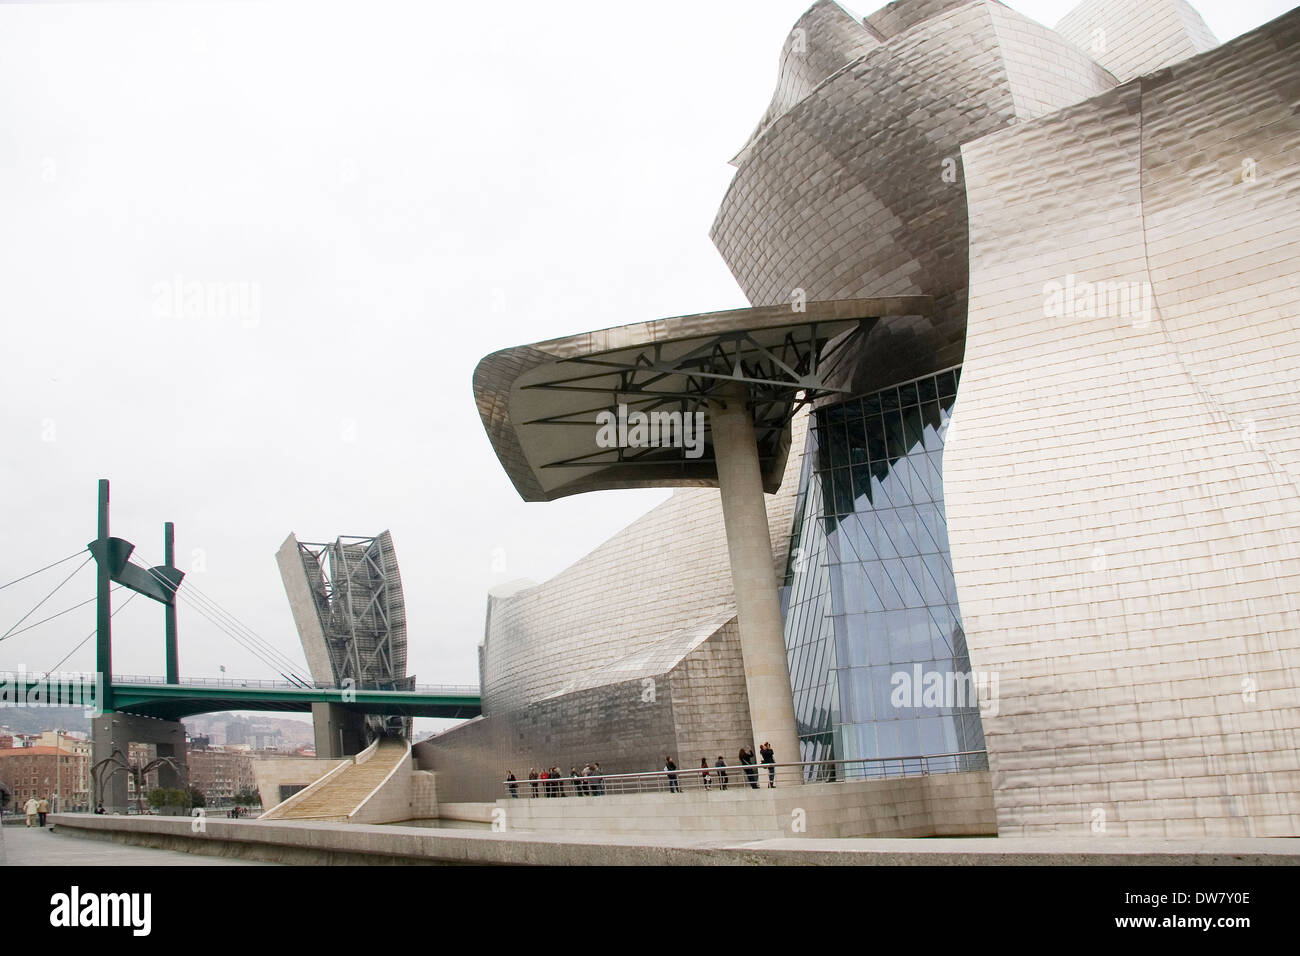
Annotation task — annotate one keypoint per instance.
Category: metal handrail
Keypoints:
(454, 689)
(755, 775)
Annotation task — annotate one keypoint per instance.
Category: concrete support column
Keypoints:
(339, 732)
(113, 734)
(749, 544)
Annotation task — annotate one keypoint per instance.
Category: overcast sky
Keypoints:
(396, 190)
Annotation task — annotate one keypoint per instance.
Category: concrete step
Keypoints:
(341, 795)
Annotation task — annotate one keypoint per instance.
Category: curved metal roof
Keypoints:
(543, 404)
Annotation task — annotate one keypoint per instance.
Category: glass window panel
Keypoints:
(837, 589)
(857, 640)
(909, 739)
(876, 449)
(947, 384)
(928, 389)
(933, 422)
(823, 448)
(857, 436)
(843, 479)
(855, 586)
(858, 706)
(887, 739)
(881, 688)
(949, 730)
(877, 639)
(894, 435)
(931, 732)
(888, 399)
(932, 587)
(913, 431)
(837, 438)
(907, 394)
(875, 579)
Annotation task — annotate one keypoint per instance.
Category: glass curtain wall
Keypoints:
(877, 654)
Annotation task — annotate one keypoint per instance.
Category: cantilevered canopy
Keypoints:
(542, 404)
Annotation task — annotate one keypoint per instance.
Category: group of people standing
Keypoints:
(589, 781)
(719, 769)
(551, 782)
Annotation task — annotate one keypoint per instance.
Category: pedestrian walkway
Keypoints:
(20, 846)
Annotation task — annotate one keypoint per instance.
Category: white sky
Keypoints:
(408, 186)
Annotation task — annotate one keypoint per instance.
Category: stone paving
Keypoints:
(20, 846)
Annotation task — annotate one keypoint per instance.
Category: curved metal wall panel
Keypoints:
(1122, 480)
(824, 40)
(1134, 37)
(857, 189)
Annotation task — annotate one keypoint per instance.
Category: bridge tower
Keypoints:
(112, 733)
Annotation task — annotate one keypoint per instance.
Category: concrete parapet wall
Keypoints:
(344, 844)
(954, 804)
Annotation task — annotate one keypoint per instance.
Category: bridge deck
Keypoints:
(177, 701)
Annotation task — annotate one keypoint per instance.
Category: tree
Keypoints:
(196, 798)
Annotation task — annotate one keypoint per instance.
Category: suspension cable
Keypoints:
(210, 610)
(60, 614)
(46, 598)
(39, 570)
(87, 637)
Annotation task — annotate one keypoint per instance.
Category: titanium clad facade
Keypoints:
(1122, 484)
(1135, 37)
(856, 190)
(1104, 521)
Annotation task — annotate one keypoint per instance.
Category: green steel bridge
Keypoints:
(156, 697)
(170, 697)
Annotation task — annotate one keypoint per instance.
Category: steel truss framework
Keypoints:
(795, 366)
(358, 596)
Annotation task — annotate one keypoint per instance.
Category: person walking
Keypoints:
(43, 808)
(721, 768)
(671, 768)
(30, 808)
(769, 758)
(704, 771)
(511, 785)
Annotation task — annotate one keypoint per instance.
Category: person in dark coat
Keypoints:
(769, 757)
(672, 776)
(511, 785)
(721, 767)
(747, 758)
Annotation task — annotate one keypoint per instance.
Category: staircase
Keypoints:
(338, 797)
